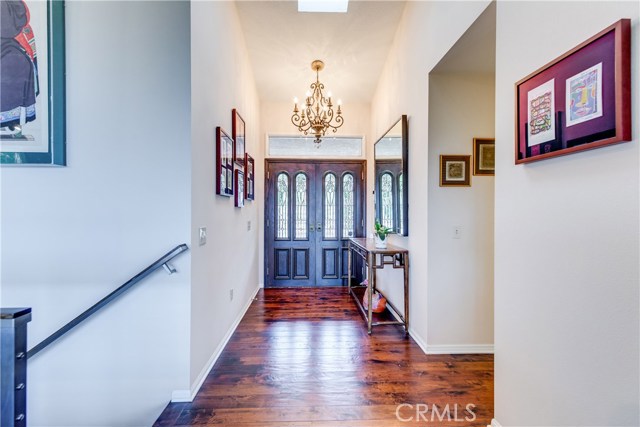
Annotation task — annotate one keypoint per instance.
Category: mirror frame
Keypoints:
(404, 203)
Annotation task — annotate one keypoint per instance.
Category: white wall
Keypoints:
(566, 245)
(460, 271)
(71, 235)
(221, 80)
(426, 32)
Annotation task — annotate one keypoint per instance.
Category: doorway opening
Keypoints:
(312, 208)
(460, 198)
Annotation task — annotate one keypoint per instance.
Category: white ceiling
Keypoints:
(354, 46)
(475, 51)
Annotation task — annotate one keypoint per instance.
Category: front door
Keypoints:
(311, 209)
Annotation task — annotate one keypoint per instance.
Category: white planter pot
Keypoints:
(381, 244)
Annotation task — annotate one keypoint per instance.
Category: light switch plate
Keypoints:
(203, 235)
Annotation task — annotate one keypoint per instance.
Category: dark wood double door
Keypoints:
(311, 209)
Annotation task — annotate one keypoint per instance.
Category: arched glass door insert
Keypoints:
(386, 200)
(282, 207)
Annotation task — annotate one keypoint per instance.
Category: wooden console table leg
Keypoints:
(371, 280)
(406, 294)
(349, 266)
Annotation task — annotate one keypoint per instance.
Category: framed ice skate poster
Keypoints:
(32, 80)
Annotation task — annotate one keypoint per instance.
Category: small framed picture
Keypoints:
(484, 156)
(238, 135)
(239, 185)
(455, 170)
(224, 163)
(249, 177)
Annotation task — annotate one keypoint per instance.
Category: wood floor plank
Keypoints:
(302, 357)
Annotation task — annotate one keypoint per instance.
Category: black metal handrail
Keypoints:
(161, 262)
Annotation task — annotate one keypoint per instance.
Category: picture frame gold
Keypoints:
(484, 156)
(455, 170)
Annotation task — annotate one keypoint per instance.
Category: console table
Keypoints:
(376, 259)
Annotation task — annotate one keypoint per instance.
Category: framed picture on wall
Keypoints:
(32, 83)
(239, 185)
(224, 163)
(455, 170)
(579, 101)
(484, 156)
(249, 177)
(238, 135)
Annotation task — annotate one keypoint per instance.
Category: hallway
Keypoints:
(302, 357)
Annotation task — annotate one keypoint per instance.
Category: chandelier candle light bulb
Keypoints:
(318, 116)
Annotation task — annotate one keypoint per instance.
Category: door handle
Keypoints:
(311, 228)
(319, 227)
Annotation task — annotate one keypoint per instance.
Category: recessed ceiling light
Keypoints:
(337, 6)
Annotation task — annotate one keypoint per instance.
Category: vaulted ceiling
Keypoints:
(354, 46)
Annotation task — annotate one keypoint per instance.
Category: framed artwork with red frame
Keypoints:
(249, 177)
(239, 185)
(238, 135)
(579, 101)
(224, 163)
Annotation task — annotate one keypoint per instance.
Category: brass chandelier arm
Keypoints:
(300, 123)
(316, 113)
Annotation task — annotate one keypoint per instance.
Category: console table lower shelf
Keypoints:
(376, 259)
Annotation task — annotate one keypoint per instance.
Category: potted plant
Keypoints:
(381, 235)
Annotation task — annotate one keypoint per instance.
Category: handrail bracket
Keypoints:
(169, 268)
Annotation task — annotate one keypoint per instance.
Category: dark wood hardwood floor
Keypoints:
(302, 357)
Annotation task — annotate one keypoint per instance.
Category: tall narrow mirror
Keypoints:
(391, 173)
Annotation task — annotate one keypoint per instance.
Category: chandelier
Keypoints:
(316, 115)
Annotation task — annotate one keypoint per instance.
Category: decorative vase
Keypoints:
(380, 243)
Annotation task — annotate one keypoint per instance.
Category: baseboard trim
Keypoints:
(189, 395)
(460, 349)
(495, 423)
(450, 349)
(181, 396)
(418, 339)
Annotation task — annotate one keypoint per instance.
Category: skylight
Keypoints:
(336, 6)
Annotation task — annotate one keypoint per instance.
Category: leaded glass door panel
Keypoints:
(388, 186)
(290, 225)
(340, 215)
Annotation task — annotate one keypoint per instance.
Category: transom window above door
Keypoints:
(304, 147)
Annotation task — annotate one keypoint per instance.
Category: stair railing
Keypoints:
(13, 343)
